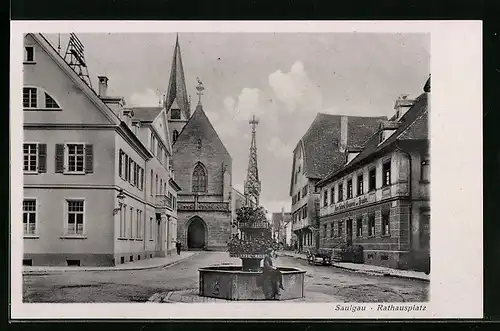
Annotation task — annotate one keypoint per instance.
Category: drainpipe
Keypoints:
(410, 190)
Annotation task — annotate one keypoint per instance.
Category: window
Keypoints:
(131, 228)
(349, 189)
(161, 186)
(123, 226)
(360, 185)
(156, 185)
(339, 229)
(138, 231)
(359, 227)
(176, 135)
(332, 195)
(304, 191)
(30, 157)
(130, 172)
(175, 114)
(341, 192)
(76, 155)
(29, 54)
(385, 222)
(199, 179)
(371, 225)
(331, 230)
(29, 217)
(29, 97)
(120, 163)
(304, 211)
(75, 217)
(425, 170)
(50, 103)
(325, 198)
(151, 184)
(325, 228)
(150, 228)
(372, 179)
(386, 171)
(141, 182)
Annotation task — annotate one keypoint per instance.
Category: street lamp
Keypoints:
(120, 198)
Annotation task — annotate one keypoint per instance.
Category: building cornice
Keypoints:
(68, 126)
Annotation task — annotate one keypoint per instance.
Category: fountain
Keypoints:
(245, 281)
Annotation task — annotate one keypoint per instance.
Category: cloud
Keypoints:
(295, 89)
(147, 98)
(278, 148)
(247, 105)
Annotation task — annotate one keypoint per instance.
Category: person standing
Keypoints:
(178, 246)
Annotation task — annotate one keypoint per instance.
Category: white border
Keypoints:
(456, 288)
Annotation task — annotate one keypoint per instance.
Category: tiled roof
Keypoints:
(146, 114)
(413, 127)
(321, 141)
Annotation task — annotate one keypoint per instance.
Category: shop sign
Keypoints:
(354, 202)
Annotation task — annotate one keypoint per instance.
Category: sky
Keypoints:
(285, 79)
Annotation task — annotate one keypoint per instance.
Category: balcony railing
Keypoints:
(164, 201)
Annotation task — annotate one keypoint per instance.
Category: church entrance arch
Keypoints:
(196, 233)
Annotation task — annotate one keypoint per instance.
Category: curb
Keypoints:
(373, 273)
(55, 272)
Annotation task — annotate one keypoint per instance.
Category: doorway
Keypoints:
(196, 234)
(349, 232)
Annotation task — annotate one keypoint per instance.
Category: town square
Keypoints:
(184, 167)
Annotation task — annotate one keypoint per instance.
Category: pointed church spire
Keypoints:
(177, 84)
(252, 183)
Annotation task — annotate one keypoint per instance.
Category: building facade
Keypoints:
(87, 191)
(278, 226)
(320, 150)
(379, 199)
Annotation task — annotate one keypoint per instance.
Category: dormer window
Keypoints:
(385, 134)
(175, 114)
(29, 54)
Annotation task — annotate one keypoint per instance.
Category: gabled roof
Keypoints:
(146, 114)
(177, 83)
(321, 141)
(198, 117)
(413, 126)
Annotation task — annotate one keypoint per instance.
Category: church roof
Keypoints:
(177, 83)
(414, 126)
(321, 141)
(194, 127)
(146, 114)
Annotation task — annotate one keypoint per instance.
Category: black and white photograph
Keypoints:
(230, 167)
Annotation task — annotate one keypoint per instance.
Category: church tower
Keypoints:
(176, 101)
(252, 182)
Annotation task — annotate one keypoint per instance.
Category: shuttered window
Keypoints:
(74, 158)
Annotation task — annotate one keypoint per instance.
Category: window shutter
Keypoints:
(89, 159)
(42, 158)
(59, 158)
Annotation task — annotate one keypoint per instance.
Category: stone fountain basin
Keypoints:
(230, 282)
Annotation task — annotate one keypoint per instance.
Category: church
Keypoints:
(202, 167)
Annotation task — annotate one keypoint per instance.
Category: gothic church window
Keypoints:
(175, 114)
(176, 135)
(199, 178)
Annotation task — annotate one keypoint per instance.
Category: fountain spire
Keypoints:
(252, 182)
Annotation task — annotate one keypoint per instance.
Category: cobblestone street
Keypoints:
(322, 283)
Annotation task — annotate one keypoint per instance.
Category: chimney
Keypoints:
(103, 85)
(402, 105)
(343, 134)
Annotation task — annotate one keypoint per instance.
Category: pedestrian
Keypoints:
(178, 246)
(273, 279)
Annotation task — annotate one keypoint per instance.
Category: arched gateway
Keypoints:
(196, 233)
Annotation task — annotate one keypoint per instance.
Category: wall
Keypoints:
(217, 225)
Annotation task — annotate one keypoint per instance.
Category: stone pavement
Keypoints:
(191, 296)
(137, 265)
(368, 269)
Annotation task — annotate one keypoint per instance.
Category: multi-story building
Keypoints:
(278, 225)
(379, 198)
(88, 196)
(321, 150)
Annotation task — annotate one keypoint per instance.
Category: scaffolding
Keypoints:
(74, 57)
